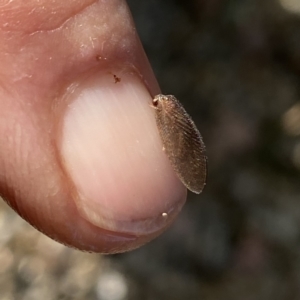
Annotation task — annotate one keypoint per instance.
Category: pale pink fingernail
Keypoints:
(112, 153)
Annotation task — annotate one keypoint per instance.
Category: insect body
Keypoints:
(182, 142)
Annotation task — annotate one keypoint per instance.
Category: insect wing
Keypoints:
(182, 143)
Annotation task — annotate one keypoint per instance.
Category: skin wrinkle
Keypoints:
(78, 39)
(21, 157)
(15, 11)
(6, 4)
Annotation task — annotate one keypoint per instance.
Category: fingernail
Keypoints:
(112, 154)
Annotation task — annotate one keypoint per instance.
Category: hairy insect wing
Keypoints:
(182, 142)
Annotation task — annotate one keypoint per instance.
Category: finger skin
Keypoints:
(48, 50)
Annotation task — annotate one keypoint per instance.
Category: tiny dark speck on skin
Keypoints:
(182, 142)
(116, 78)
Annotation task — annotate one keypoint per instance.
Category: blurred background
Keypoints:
(235, 65)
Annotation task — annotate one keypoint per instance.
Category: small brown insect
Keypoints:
(182, 142)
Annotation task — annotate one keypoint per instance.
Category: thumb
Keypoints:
(80, 155)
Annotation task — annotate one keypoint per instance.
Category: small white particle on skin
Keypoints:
(164, 215)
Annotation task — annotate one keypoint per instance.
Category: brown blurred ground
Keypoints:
(235, 65)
